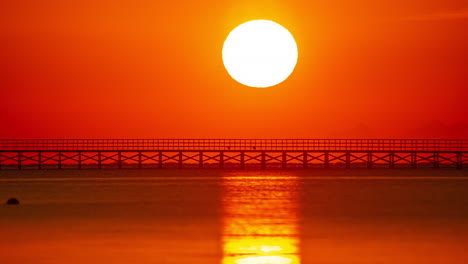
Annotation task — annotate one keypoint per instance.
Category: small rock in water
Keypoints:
(12, 201)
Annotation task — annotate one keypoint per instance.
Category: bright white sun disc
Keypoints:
(260, 53)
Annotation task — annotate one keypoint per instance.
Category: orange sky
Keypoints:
(153, 69)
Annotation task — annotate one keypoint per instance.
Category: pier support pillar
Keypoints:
(19, 160)
(39, 160)
(99, 160)
(414, 160)
(221, 160)
(160, 160)
(180, 160)
(459, 161)
(436, 160)
(391, 160)
(370, 162)
(348, 160)
(119, 160)
(263, 165)
(79, 160)
(284, 160)
(59, 160)
(242, 160)
(139, 160)
(200, 159)
(305, 160)
(327, 160)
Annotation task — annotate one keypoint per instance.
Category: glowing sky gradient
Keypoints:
(153, 69)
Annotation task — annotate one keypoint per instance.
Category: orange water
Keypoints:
(193, 216)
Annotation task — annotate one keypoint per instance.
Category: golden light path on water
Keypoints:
(260, 220)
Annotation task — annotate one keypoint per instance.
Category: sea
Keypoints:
(212, 216)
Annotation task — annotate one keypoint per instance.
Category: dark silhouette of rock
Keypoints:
(12, 201)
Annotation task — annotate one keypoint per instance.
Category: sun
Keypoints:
(260, 53)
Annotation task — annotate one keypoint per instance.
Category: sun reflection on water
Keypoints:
(260, 220)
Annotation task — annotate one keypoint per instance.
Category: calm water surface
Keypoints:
(196, 216)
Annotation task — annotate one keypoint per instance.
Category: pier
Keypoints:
(232, 153)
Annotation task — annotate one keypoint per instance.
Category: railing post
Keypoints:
(304, 160)
(284, 160)
(242, 160)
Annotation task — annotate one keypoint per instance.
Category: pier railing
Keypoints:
(336, 145)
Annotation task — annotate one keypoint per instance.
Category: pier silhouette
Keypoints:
(239, 153)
